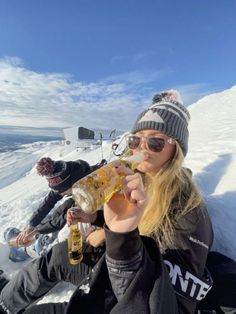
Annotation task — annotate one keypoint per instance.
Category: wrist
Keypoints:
(120, 229)
(122, 245)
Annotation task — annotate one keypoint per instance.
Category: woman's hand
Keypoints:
(25, 238)
(124, 211)
(96, 238)
(76, 214)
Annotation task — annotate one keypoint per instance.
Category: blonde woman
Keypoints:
(159, 226)
(164, 204)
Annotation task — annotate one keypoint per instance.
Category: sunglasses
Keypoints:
(154, 144)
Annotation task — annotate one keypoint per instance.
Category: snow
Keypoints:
(212, 158)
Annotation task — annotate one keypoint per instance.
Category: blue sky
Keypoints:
(110, 50)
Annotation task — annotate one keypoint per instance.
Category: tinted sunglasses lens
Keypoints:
(133, 142)
(156, 144)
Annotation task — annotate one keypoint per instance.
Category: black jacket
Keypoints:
(44, 208)
(57, 220)
(151, 290)
(186, 260)
(149, 293)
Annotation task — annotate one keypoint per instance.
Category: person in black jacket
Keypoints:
(61, 175)
(158, 232)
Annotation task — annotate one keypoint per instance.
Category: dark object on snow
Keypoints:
(85, 134)
(222, 296)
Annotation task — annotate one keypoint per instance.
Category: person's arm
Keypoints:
(133, 269)
(48, 203)
(123, 244)
(57, 220)
(124, 253)
(138, 275)
(25, 237)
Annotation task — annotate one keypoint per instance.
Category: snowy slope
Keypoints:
(212, 158)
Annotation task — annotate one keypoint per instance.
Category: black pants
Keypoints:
(43, 273)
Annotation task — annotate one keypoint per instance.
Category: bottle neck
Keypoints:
(132, 161)
(74, 227)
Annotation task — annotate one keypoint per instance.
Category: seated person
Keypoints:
(61, 175)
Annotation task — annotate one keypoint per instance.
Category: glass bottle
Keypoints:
(75, 245)
(12, 243)
(97, 188)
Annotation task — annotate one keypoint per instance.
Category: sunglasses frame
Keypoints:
(141, 138)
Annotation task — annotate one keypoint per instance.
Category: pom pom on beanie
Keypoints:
(171, 95)
(45, 166)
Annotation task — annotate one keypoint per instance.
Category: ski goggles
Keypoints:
(153, 143)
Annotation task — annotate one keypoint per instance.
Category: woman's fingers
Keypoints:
(133, 188)
(138, 197)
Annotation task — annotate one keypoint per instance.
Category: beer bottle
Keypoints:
(97, 188)
(12, 243)
(75, 245)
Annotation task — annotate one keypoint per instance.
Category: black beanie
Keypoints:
(61, 175)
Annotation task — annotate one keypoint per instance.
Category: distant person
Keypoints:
(158, 224)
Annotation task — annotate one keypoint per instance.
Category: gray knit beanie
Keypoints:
(168, 115)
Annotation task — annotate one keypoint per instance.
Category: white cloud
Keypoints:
(35, 99)
(43, 100)
(137, 77)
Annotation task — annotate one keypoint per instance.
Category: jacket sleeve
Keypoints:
(48, 203)
(186, 259)
(57, 220)
(99, 222)
(136, 268)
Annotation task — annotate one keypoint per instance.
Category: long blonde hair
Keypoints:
(172, 187)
